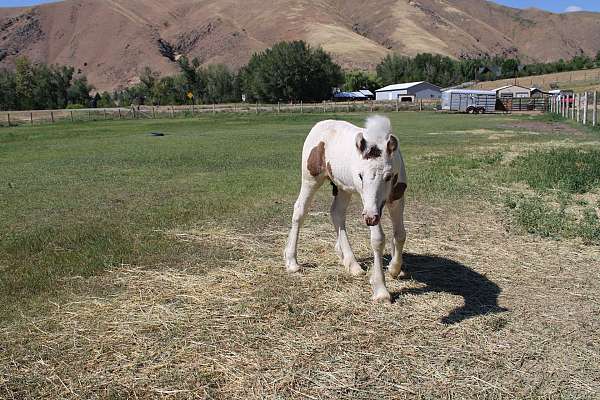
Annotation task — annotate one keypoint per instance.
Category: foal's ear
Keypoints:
(361, 143)
(392, 144)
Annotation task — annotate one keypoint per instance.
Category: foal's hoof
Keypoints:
(355, 269)
(382, 296)
(292, 266)
(396, 272)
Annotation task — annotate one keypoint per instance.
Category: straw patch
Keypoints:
(485, 316)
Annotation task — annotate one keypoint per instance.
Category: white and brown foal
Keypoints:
(366, 161)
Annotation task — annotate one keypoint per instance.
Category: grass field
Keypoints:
(142, 266)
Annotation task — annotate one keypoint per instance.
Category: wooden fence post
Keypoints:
(8, 118)
(585, 107)
(214, 108)
(52, 116)
(278, 107)
(397, 106)
(71, 112)
(421, 105)
(172, 112)
(572, 106)
(119, 112)
(257, 107)
(31, 117)
(153, 113)
(595, 109)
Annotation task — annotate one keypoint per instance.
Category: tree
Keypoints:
(357, 80)
(79, 92)
(393, 69)
(24, 83)
(192, 75)
(8, 91)
(291, 71)
(219, 83)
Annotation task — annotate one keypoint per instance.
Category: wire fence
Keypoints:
(36, 117)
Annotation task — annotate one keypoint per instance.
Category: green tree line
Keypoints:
(288, 71)
(39, 86)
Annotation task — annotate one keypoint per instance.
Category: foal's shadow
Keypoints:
(444, 275)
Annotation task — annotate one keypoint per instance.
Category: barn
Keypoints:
(512, 91)
(409, 92)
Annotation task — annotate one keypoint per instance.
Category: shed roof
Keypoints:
(470, 91)
(366, 92)
(351, 95)
(402, 86)
(507, 86)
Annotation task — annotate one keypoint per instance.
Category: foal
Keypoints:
(356, 160)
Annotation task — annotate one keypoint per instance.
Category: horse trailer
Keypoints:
(469, 101)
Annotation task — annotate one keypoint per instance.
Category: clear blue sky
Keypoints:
(550, 5)
(553, 5)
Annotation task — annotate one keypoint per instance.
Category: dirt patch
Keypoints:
(543, 127)
(483, 314)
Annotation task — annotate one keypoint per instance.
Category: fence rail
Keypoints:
(523, 104)
(12, 118)
(579, 107)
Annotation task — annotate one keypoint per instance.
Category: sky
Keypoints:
(550, 5)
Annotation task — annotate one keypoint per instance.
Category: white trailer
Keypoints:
(469, 101)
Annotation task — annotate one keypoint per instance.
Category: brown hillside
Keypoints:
(112, 40)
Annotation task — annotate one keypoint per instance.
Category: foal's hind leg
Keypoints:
(342, 246)
(309, 187)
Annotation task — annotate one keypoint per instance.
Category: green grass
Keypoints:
(78, 198)
(534, 215)
(569, 169)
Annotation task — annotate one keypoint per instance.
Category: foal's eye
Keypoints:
(360, 176)
(387, 178)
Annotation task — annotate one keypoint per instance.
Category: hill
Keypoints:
(112, 40)
(578, 81)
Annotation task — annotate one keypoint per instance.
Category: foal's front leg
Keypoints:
(342, 245)
(380, 292)
(397, 215)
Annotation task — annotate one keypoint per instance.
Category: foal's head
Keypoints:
(374, 174)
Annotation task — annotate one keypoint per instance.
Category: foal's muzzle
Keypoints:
(371, 220)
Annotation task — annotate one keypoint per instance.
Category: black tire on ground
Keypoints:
(476, 111)
(470, 110)
(482, 110)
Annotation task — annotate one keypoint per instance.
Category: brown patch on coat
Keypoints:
(392, 144)
(361, 143)
(398, 189)
(373, 152)
(334, 189)
(316, 160)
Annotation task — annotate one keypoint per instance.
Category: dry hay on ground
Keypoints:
(485, 314)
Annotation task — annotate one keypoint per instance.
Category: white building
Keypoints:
(410, 91)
